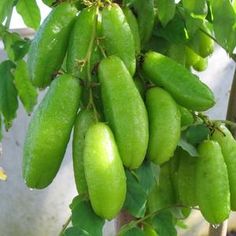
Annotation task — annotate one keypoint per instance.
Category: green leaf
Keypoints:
(26, 91)
(20, 48)
(224, 23)
(175, 31)
(75, 231)
(49, 2)
(84, 217)
(181, 224)
(30, 12)
(196, 7)
(192, 24)
(136, 196)
(146, 174)
(163, 223)
(195, 134)
(146, 18)
(187, 147)
(8, 93)
(5, 8)
(166, 10)
(9, 39)
(133, 232)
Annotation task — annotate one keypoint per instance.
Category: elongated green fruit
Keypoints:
(177, 53)
(212, 184)
(149, 230)
(228, 146)
(133, 24)
(49, 45)
(81, 41)
(192, 58)
(104, 171)
(186, 179)
(118, 37)
(164, 122)
(124, 110)
(185, 87)
(83, 121)
(163, 193)
(201, 65)
(49, 132)
(201, 43)
(186, 116)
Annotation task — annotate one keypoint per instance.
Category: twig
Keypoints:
(65, 226)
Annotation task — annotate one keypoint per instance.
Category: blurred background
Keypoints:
(36, 213)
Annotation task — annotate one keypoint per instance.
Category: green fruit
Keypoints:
(118, 38)
(186, 179)
(164, 121)
(104, 171)
(185, 87)
(83, 121)
(49, 45)
(177, 53)
(163, 193)
(186, 116)
(81, 41)
(201, 65)
(192, 58)
(124, 110)
(133, 24)
(149, 230)
(212, 184)
(201, 43)
(49, 132)
(228, 146)
(167, 191)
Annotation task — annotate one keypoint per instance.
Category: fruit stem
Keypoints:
(88, 59)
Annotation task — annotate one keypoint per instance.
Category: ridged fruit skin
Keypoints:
(133, 24)
(164, 125)
(49, 132)
(228, 146)
(212, 183)
(49, 45)
(186, 116)
(104, 171)
(84, 120)
(81, 38)
(186, 179)
(162, 194)
(118, 38)
(124, 111)
(184, 87)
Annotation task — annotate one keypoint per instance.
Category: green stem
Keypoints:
(8, 22)
(227, 122)
(141, 220)
(88, 61)
(65, 226)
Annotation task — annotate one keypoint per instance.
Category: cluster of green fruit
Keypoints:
(207, 180)
(119, 121)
